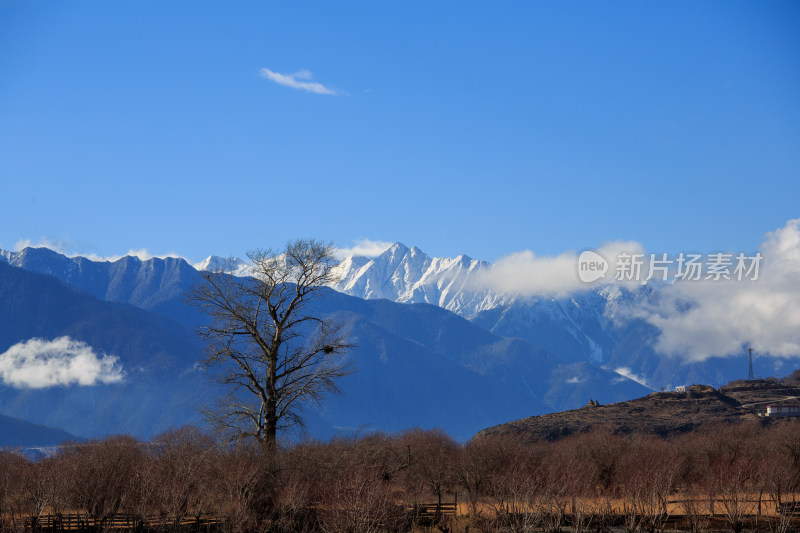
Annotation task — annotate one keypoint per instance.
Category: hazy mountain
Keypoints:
(542, 380)
(580, 328)
(16, 432)
(161, 386)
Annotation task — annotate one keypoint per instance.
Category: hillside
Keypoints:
(660, 413)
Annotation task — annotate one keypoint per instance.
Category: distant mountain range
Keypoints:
(435, 349)
(416, 365)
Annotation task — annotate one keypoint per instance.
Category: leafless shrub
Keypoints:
(179, 475)
(478, 461)
(360, 492)
(588, 482)
(733, 473)
(14, 502)
(102, 476)
(429, 472)
(516, 487)
(649, 473)
(246, 483)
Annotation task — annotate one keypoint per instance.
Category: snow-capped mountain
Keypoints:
(574, 328)
(408, 275)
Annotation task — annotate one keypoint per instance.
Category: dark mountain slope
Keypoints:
(529, 370)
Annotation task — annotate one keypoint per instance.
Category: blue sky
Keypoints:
(460, 127)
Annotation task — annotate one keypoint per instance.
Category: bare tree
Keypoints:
(273, 352)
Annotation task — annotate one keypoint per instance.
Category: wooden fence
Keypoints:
(789, 509)
(116, 522)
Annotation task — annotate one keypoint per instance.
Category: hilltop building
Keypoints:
(782, 409)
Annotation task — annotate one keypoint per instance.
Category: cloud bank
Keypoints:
(527, 274)
(695, 319)
(39, 363)
(701, 319)
(300, 80)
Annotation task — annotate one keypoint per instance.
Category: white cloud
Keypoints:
(701, 319)
(38, 363)
(574, 379)
(531, 275)
(628, 373)
(696, 319)
(364, 247)
(300, 80)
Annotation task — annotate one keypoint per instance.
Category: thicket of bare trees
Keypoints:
(585, 483)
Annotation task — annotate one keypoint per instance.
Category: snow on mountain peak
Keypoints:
(409, 275)
(238, 267)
